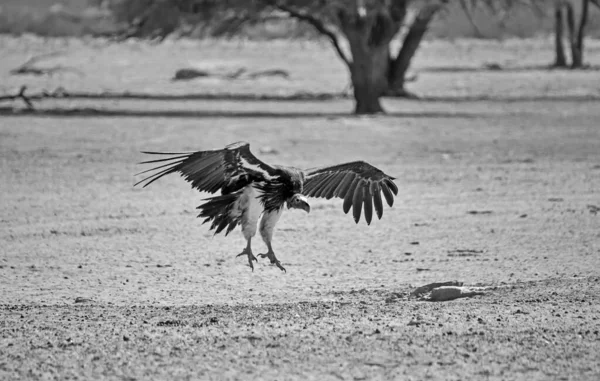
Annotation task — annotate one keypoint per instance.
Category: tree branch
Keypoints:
(470, 18)
(317, 24)
(412, 40)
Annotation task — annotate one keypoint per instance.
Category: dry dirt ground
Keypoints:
(98, 65)
(100, 280)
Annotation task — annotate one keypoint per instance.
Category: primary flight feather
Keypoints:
(252, 191)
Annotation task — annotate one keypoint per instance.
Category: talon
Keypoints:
(273, 259)
(248, 252)
(280, 266)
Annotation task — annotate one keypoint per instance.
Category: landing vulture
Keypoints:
(251, 190)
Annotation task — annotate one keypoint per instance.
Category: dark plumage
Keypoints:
(250, 188)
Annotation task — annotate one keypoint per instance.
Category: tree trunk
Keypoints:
(369, 34)
(412, 40)
(369, 76)
(571, 30)
(561, 60)
(578, 40)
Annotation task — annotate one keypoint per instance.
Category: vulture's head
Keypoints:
(298, 201)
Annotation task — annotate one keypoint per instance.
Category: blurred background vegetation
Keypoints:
(105, 17)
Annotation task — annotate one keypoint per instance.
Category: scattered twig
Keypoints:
(236, 74)
(374, 363)
(59, 92)
(464, 253)
(20, 95)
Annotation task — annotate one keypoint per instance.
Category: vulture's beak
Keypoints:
(305, 206)
(299, 201)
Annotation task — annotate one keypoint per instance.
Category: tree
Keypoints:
(576, 34)
(564, 12)
(366, 27)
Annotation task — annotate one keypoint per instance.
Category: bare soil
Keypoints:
(443, 69)
(100, 280)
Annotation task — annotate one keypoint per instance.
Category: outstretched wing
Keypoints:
(358, 183)
(226, 169)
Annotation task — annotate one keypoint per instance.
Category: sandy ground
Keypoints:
(102, 280)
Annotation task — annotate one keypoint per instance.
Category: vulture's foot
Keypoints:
(274, 261)
(247, 251)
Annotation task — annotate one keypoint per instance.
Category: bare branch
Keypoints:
(469, 15)
(317, 24)
(20, 95)
(60, 93)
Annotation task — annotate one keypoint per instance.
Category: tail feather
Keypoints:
(219, 209)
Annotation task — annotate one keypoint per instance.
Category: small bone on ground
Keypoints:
(446, 293)
(425, 289)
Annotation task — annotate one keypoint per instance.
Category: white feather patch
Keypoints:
(256, 168)
(267, 224)
(249, 207)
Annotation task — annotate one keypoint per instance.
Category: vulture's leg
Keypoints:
(250, 208)
(248, 251)
(267, 225)
(271, 255)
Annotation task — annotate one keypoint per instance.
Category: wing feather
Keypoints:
(358, 183)
(368, 203)
(342, 188)
(392, 186)
(350, 195)
(154, 169)
(335, 181)
(211, 171)
(321, 191)
(376, 191)
(387, 194)
(313, 188)
(357, 201)
(152, 178)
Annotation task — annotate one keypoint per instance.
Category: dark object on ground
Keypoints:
(186, 74)
(428, 287)
(270, 73)
(28, 67)
(191, 73)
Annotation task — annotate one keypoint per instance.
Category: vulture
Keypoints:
(253, 194)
